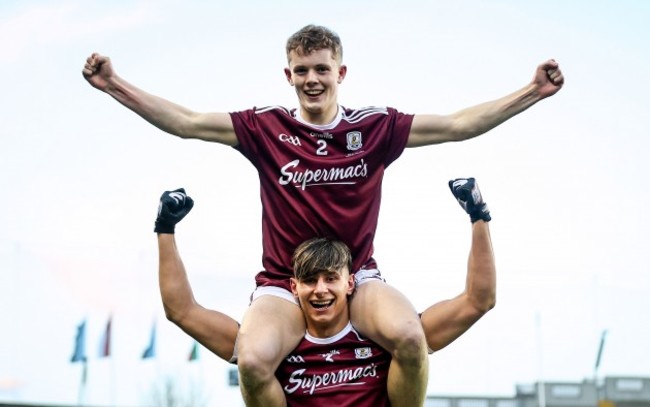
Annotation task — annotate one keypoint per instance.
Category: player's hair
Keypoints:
(312, 38)
(320, 255)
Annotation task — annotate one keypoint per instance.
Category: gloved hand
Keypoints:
(469, 197)
(173, 207)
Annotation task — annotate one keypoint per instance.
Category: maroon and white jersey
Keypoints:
(319, 181)
(344, 370)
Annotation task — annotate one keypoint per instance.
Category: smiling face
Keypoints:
(322, 284)
(316, 77)
(324, 301)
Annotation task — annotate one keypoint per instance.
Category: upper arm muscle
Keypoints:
(215, 127)
(430, 129)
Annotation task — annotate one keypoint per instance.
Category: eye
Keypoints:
(299, 70)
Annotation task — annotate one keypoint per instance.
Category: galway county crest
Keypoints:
(354, 140)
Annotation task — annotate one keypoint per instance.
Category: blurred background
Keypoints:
(81, 178)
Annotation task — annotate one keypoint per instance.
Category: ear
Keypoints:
(351, 285)
(293, 282)
(287, 73)
(343, 70)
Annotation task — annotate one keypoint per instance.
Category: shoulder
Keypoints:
(262, 119)
(274, 110)
(357, 115)
(265, 112)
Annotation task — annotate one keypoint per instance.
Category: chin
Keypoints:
(323, 318)
(313, 108)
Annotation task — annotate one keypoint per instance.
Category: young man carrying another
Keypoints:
(321, 169)
(333, 364)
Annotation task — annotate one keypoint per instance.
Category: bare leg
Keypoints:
(271, 329)
(383, 314)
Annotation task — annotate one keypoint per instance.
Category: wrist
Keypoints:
(481, 213)
(164, 228)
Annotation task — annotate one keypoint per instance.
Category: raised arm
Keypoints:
(212, 329)
(473, 121)
(445, 321)
(166, 115)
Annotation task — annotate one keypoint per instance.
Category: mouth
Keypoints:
(314, 93)
(321, 305)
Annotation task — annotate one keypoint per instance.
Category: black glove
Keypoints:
(469, 197)
(173, 207)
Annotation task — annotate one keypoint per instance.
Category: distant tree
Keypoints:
(169, 393)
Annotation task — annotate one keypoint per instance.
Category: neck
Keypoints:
(319, 118)
(326, 329)
(327, 334)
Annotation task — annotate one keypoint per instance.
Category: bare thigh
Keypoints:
(383, 314)
(271, 328)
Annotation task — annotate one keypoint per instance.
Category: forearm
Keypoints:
(481, 269)
(212, 329)
(165, 115)
(446, 321)
(175, 289)
(479, 119)
(472, 121)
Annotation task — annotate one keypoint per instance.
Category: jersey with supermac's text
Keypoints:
(343, 370)
(319, 180)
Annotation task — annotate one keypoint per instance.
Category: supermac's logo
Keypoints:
(354, 140)
(301, 381)
(338, 175)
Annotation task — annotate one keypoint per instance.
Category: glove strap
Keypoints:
(480, 213)
(164, 228)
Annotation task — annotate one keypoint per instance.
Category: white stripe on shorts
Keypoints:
(365, 275)
(360, 277)
(274, 291)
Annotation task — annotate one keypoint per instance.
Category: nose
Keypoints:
(312, 77)
(321, 286)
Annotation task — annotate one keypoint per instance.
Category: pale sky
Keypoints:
(82, 176)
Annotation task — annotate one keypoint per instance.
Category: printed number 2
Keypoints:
(322, 147)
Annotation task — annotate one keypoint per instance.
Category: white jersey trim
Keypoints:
(274, 107)
(331, 339)
(355, 116)
(328, 126)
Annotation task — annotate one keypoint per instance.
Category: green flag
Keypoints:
(194, 353)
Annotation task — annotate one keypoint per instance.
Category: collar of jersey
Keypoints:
(328, 126)
(331, 339)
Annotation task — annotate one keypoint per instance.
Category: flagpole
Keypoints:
(600, 354)
(150, 352)
(79, 355)
(112, 382)
(541, 387)
(82, 387)
(112, 379)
